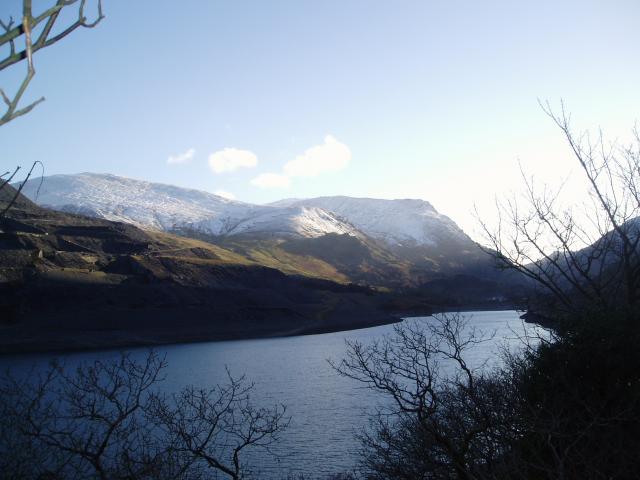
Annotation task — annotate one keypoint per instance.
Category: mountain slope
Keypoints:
(69, 281)
(144, 204)
(388, 243)
(397, 222)
(165, 207)
(414, 231)
(308, 222)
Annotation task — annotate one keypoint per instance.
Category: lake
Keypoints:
(326, 410)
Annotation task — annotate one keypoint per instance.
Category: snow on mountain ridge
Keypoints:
(303, 221)
(164, 207)
(398, 222)
(145, 204)
(406, 222)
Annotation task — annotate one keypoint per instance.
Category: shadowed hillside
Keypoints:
(70, 281)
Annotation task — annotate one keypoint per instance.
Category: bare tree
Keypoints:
(106, 421)
(445, 419)
(584, 255)
(214, 427)
(577, 398)
(82, 424)
(554, 410)
(566, 408)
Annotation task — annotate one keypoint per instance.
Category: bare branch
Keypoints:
(44, 39)
(18, 191)
(577, 261)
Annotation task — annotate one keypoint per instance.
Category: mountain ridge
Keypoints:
(64, 276)
(163, 207)
(71, 282)
(401, 243)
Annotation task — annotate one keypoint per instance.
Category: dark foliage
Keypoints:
(579, 403)
(567, 408)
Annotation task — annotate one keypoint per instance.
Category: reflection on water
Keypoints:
(326, 409)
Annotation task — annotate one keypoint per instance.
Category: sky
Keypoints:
(263, 100)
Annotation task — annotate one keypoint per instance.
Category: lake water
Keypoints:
(326, 410)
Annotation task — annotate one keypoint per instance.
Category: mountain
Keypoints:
(118, 261)
(68, 281)
(406, 222)
(144, 204)
(414, 232)
(398, 223)
(395, 244)
(603, 275)
(163, 207)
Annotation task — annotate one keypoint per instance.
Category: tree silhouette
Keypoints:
(108, 420)
(584, 256)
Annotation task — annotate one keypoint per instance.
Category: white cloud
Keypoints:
(225, 194)
(181, 158)
(331, 156)
(271, 180)
(230, 159)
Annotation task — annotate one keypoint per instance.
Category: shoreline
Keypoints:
(141, 339)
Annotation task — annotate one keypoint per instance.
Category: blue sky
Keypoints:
(432, 100)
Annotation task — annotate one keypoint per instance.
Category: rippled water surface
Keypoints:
(325, 408)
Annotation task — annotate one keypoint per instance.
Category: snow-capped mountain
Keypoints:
(399, 223)
(298, 220)
(413, 230)
(404, 223)
(399, 242)
(165, 207)
(144, 204)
